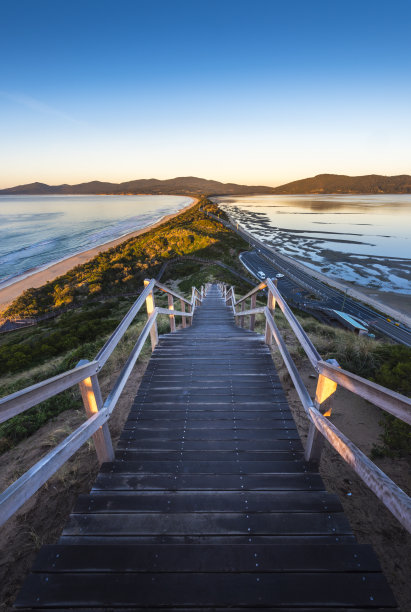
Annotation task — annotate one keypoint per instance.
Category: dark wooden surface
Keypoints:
(209, 504)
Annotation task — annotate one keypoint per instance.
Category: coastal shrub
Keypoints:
(395, 438)
(394, 372)
(20, 351)
(24, 425)
(127, 264)
(394, 369)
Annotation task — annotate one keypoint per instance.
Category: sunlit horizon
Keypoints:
(255, 93)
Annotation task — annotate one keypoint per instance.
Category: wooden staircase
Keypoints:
(209, 503)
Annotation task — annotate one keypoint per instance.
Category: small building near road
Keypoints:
(350, 322)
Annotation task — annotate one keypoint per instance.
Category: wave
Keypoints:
(78, 237)
(26, 251)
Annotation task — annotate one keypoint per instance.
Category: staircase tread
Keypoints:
(209, 503)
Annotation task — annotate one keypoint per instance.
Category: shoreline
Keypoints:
(387, 302)
(380, 302)
(43, 275)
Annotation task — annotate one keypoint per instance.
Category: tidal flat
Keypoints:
(361, 240)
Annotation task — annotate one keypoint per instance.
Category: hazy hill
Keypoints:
(339, 183)
(189, 185)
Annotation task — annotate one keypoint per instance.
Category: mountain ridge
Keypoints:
(191, 185)
(342, 183)
(183, 185)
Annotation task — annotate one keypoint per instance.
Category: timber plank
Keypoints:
(207, 558)
(193, 501)
(209, 504)
(212, 523)
(204, 589)
(206, 482)
(127, 451)
(208, 467)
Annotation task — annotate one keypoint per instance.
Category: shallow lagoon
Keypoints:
(362, 239)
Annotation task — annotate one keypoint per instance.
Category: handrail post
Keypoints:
(233, 298)
(271, 306)
(172, 317)
(183, 309)
(190, 319)
(150, 305)
(93, 402)
(241, 322)
(324, 395)
(252, 317)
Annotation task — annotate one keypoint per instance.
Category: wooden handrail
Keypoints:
(120, 383)
(390, 401)
(24, 487)
(105, 352)
(312, 353)
(170, 292)
(85, 374)
(256, 289)
(392, 496)
(177, 313)
(20, 401)
(291, 367)
(16, 403)
(253, 311)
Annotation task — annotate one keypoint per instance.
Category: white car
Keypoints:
(279, 276)
(261, 274)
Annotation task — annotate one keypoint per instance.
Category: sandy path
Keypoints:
(37, 279)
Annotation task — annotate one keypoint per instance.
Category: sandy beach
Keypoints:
(41, 277)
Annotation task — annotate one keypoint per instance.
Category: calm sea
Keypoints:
(36, 231)
(363, 239)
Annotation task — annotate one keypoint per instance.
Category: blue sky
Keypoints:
(256, 91)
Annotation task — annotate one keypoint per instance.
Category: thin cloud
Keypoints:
(39, 106)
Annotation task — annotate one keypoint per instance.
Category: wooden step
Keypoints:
(209, 504)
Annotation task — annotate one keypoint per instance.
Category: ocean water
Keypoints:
(364, 239)
(37, 231)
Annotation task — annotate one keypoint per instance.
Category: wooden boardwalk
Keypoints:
(209, 503)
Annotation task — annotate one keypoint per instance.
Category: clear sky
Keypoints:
(255, 91)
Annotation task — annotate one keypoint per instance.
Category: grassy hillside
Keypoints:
(123, 268)
(95, 288)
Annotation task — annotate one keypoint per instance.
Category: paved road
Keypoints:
(271, 262)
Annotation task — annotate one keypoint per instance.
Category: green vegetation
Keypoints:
(30, 355)
(123, 268)
(33, 354)
(25, 424)
(394, 372)
(19, 351)
(388, 365)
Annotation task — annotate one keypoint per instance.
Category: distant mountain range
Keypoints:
(191, 185)
(340, 183)
(184, 185)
